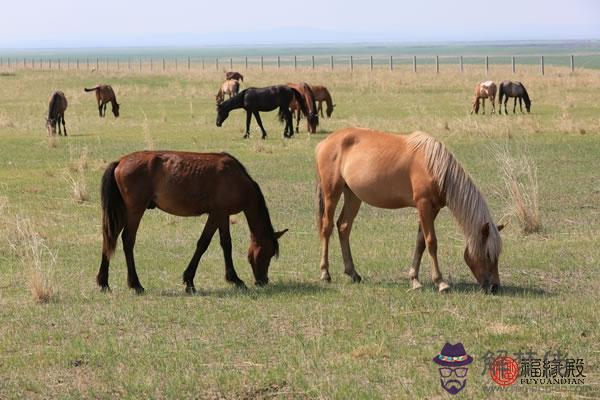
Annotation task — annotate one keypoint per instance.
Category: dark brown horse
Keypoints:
(513, 89)
(312, 117)
(104, 95)
(234, 76)
(322, 95)
(185, 184)
(57, 106)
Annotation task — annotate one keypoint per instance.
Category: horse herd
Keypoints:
(382, 169)
(487, 90)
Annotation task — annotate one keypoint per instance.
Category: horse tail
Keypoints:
(113, 210)
(91, 89)
(500, 92)
(320, 203)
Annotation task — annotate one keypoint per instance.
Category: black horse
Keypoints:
(513, 89)
(254, 100)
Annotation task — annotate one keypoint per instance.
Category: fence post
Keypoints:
(572, 63)
(415, 64)
(87, 60)
(129, 64)
(59, 64)
(106, 64)
(487, 64)
(203, 63)
(217, 63)
(163, 64)
(78, 64)
(49, 64)
(140, 64)
(295, 63)
(542, 64)
(246, 62)
(230, 63)
(437, 64)
(371, 62)
(312, 58)
(97, 64)
(262, 63)
(176, 64)
(351, 64)
(391, 63)
(118, 64)
(188, 63)
(332, 63)
(462, 65)
(278, 62)
(514, 65)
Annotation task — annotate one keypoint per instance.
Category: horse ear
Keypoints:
(485, 230)
(280, 233)
(500, 227)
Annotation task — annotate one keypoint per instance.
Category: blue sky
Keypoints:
(109, 23)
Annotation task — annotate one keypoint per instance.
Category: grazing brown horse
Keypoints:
(104, 95)
(516, 90)
(230, 87)
(396, 171)
(322, 95)
(312, 118)
(234, 75)
(57, 105)
(484, 90)
(185, 184)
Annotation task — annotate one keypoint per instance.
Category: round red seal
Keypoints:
(504, 371)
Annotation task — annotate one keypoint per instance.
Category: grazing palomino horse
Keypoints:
(513, 89)
(268, 98)
(57, 106)
(234, 75)
(185, 184)
(312, 117)
(484, 90)
(396, 171)
(322, 95)
(104, 95)
(230, 87)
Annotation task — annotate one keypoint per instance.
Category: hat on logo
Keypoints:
(453, 355)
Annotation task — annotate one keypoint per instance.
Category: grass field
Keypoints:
(296, 338)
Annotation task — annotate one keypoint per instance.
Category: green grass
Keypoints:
(296, 338)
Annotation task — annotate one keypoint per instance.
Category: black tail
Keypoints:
(113, 210)
(91, 89)
(500, 92)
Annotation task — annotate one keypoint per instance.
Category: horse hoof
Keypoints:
(190, 290)
(139, 290)
(416, 285)
(443, 287)
(105, 289)
(325, 277)
(356, 278)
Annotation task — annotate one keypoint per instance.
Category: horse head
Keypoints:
(329, 110)
(484, 266)
(51, 126)
(222, 114)
(115, 109)
(260, 254)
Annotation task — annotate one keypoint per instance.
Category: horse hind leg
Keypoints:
(128, 237)
(259, 122)
(329, 192)
(515, 106)
(190, 272)
(427, 215)
(521, 104)
(344, 225)
(413, 273)
(225, 240)
(63, 123)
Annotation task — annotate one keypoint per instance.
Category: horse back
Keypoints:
(183, 183)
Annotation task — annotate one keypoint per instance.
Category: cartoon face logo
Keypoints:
(453, 371)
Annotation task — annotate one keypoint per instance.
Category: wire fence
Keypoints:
(320, 62)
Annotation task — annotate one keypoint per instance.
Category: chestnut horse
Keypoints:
(484, 90)
(312, 117)
(322, 95)
(230, 87)
(234, 75)
(104, 95)
(185, 184)
(57, 105)
(396, 171)
(516, 90)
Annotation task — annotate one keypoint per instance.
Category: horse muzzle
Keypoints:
(262, 282)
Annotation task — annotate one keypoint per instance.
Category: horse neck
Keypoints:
(234, 102)
(328, 98)
(52, 107)
(258, 217)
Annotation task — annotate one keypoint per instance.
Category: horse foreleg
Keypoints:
(344, 225)
(505, 108)
(248, 118)
(259, 122)
(225, 239)
(320, 108)
(298, 115)
(521, 104)
(426, 217)
(100, 109)
(483, 105)
(515, 106)
(201, 246)
(128, 237)
(64, 126)
(493, 101)
(413, 273)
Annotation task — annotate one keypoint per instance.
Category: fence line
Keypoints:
(349, 62)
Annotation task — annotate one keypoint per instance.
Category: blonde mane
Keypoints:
(463, 198)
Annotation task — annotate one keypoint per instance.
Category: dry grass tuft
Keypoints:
(520, 178)
(148, 139)
(81, 163)
(5, 122)
(52, 141)
(78, 186)
(37, 259)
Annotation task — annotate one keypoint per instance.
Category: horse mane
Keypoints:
(526, 96)
(464, 200)
(312, 117)
(233, 102)
(263, 210)
(52, 106)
